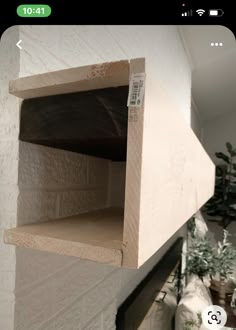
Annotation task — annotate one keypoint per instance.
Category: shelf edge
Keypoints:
(63, 247)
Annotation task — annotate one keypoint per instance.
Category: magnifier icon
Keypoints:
(214, 317)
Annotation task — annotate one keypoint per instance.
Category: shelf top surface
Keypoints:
(100, 228)
(97, 235)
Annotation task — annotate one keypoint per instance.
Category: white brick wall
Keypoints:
(108, 316)
(116, 188)
(7, 303)
(56, 183)
(9, 128)
(56, 292)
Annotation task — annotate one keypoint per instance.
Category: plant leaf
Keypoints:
(233, 189)
(219, 171)
(229, 147)
(221, 155)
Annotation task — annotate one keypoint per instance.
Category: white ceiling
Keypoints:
(214, 68)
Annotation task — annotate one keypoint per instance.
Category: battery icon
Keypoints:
(216, 12)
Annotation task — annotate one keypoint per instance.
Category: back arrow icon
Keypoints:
(18, 44)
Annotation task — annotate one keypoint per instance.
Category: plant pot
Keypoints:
(233, 303)
(221, 292)
(215, 286)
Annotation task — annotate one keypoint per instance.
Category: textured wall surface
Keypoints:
(9, 122)
(55, 292)
(116, 185)
(56, 183)
(196, 122)
(217, 132)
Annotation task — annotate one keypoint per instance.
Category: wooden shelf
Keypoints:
(95, 236)
(168, 177)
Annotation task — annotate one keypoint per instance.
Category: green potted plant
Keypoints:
(200, 258)
(224, 261)
(204, 259)
(221, 207)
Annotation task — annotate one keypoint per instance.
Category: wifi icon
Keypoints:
(200, 12)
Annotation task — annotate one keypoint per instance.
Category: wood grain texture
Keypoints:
(133, 178)
(71, 80)
(177, 175)
(95, 236)
(169, 176)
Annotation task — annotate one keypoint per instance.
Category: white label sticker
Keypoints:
(136, 90)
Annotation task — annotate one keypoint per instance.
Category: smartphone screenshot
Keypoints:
(117, 171)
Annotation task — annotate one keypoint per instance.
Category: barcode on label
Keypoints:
(136, 90)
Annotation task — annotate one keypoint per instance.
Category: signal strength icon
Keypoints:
(200, 12)
(187, 13)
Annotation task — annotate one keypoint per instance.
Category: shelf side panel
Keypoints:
(177, 175)
(133, 177)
